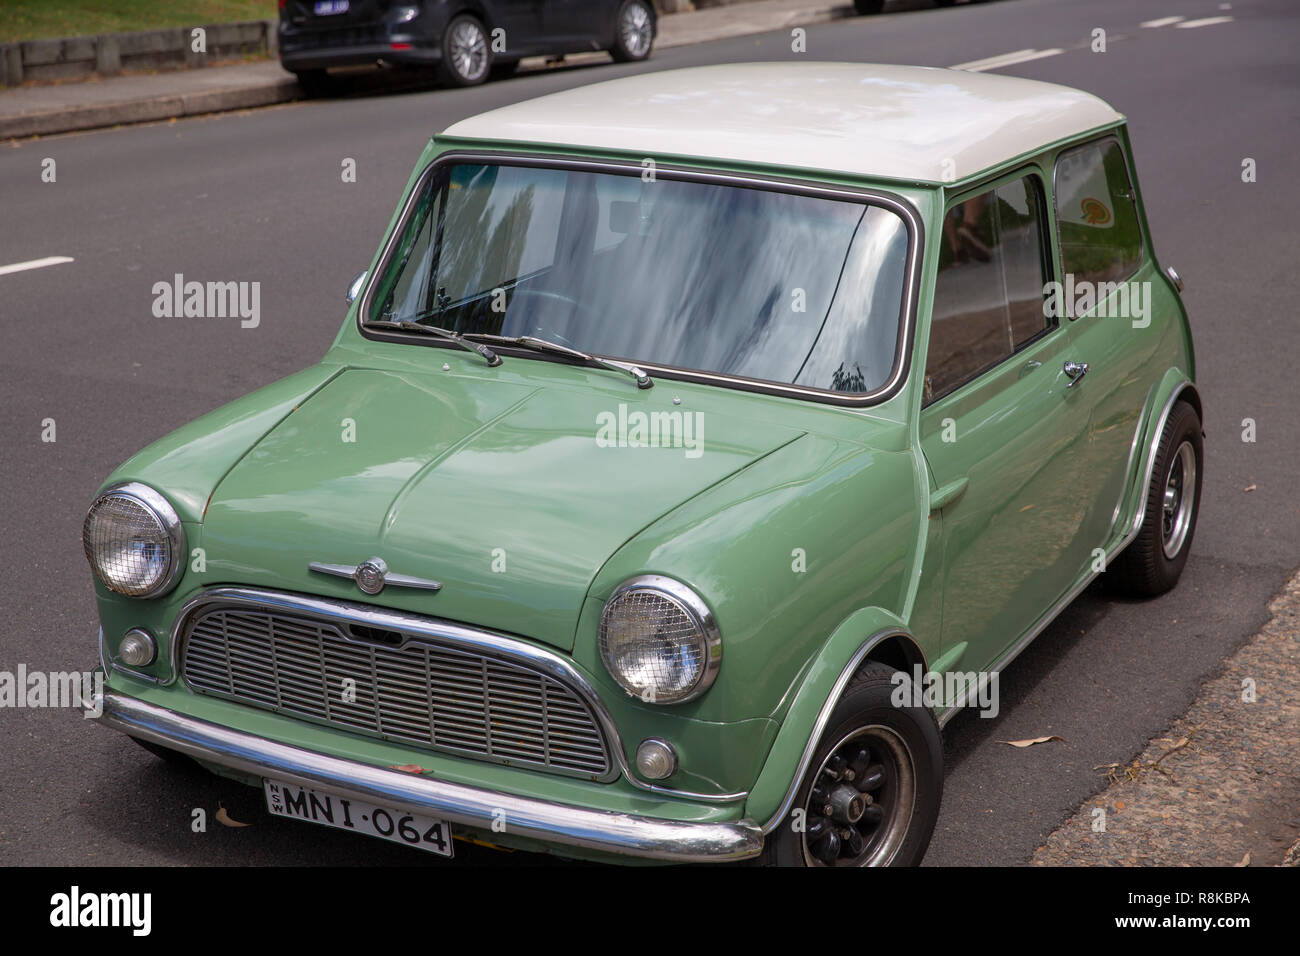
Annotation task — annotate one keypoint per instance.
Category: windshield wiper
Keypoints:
(455, 338)
(542, 345)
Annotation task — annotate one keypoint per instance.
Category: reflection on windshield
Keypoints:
(745, 282)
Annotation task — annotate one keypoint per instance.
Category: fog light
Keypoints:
(137, 649)
(656, 759)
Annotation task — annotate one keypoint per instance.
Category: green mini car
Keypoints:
(696, 444)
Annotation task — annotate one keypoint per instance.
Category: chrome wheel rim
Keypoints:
(634, 29)
(861, 801)
(1179, 500)
(468, 49)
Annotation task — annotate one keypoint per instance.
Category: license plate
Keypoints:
(327, 8)
(327, 809)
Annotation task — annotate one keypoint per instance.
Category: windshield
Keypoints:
(754, 283)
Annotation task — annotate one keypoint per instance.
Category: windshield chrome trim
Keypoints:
(894, 203)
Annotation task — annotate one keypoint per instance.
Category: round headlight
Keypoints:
(134, 541)
(659, 640)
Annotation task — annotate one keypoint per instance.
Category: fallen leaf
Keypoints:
(414, 768)
(1245, 861)
(1031, 741)
(225, 820)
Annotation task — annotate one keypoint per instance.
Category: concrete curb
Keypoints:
(285, 89)
(148, 110)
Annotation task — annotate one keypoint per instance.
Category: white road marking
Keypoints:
(35, 264)
(1208, 21)
(1162, 22)
(1006, 59)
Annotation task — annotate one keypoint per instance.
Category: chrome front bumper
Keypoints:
(605, 831)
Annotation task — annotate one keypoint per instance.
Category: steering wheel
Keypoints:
(550, 296)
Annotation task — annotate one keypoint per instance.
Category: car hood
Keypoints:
(505, 492)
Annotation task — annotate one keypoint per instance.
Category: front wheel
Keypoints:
(634, 32)
(871, 794)
(1154, 561)
(466, 57)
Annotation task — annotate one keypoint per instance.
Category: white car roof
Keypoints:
(911, 123)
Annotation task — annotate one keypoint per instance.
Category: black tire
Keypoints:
(634, 32)
(314, 83)
(899, 741)
(173, 757)
(466, 52)
(866, 8)
(1154, 560)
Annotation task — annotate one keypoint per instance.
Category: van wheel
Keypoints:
(1154, 560)
(466, 56)
(871, 794)
(634, 32)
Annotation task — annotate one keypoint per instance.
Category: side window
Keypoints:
(1101, 240)
(988, 295)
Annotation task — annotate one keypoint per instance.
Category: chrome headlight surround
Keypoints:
(690, 657)
(138, 504)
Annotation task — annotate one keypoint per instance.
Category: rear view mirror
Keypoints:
(354, 287)
(630, 218)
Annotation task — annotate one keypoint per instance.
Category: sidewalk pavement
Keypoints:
(41, 110)
(1222, 786)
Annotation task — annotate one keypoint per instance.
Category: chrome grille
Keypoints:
(406, 688)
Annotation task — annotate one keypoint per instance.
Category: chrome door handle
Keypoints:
(1076, 371)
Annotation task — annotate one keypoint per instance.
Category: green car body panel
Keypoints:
(818, 535)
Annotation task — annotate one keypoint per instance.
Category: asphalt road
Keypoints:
(258, 196)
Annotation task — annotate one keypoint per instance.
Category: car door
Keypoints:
(1106, 291)
(1001, 426)
(521, 21)
(578, 24)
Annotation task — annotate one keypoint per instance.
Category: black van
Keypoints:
(464, 40)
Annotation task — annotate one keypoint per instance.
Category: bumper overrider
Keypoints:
(602, 831)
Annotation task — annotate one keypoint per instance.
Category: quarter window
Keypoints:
(988, 296)
(1097, 217)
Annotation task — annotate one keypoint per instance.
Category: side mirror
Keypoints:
(354, 287)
